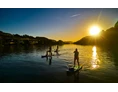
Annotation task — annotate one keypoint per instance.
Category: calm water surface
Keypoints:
(24, 64)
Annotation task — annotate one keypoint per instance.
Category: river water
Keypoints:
(25, 65)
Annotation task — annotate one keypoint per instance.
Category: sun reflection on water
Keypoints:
(95, 61)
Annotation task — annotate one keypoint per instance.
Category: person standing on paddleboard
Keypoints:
(57, 50)
(76, 57)
(49, 52)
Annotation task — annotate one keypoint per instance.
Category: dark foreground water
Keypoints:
(24, 64)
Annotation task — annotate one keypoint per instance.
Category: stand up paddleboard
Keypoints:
(72, 70)
(76, 68)
(45, 56)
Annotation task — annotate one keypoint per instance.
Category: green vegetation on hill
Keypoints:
(16, 39)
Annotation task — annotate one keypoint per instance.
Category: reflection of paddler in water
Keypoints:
(49, 59)
(74, 75)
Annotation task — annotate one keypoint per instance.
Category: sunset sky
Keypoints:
(68, 24)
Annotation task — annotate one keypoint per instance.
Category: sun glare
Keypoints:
(94, 30)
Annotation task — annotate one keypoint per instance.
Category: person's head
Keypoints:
(76, 49)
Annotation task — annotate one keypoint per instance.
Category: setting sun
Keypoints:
(94, 30)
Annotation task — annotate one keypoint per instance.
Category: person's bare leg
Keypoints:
(74, 62)
(50, 53)
(78, 61)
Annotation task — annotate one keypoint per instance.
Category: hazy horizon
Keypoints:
(67, 24)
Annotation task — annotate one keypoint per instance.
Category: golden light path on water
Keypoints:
(95, 61)
(90, 57)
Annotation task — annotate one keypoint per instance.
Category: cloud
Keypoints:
(75, 15)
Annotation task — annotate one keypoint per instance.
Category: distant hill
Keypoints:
(108, 37)
(16, 39)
